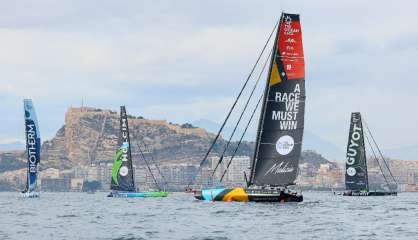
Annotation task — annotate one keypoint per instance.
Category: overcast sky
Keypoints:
(186, 60)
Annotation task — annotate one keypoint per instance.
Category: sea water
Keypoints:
(322, 215)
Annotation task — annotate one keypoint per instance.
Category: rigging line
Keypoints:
(378, 149)
(263, 107)
(155, 164)
(149, 169)
(377, 160)
(242, 136)
(242, 112)
(233, 106)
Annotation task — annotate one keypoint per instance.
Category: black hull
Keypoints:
(247, 195)
(365, 194)
(275, 198)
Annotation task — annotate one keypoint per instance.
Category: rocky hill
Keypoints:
(315, 159)
(12, 160)
(90, 136)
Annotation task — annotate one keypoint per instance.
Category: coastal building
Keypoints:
(51, 173)
(329, 177)
(179, 174)
(55, 184)
(234, 175)
(141, 178)
(236, 170)
(76, 184)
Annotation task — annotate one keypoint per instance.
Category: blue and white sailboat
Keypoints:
(33, 149)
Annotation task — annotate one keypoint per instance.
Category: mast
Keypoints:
(122, 170)
(281, 123)
(356, 178)
(33, 144)
(263, 106)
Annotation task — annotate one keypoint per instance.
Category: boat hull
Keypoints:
(246, 195)
(137, 194)
(361, 194)
(30, 194)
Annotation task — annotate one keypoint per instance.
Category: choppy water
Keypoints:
(179, 216)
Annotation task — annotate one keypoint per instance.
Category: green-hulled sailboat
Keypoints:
(123, 176)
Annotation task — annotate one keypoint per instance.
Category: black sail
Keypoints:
(122, 171)
(280, 131)
(356, 178)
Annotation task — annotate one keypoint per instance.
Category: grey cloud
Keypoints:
(146, 54)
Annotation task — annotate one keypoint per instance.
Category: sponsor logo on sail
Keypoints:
(124, 171)
(285, 144)
(353, 145)
(351, 171)
(278, 168)
(125, 149)
(288, 28)
(31, 145)
(290, 40)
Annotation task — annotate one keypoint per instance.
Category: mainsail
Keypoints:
(33, 144)
(122, 170)
(356, 165)
(280, 130)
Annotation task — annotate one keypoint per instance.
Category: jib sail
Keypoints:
(33, 144)
(356, 164)
(122, 170)
(280, 130)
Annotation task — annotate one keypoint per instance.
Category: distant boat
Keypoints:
(356, 176)
(123, 176)
(280, 130)
(33, 149)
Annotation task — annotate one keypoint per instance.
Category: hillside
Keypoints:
(315, 159)
(12, 160)
(90, 136)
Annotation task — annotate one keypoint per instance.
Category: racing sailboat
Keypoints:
(123, 176)
(278, 147)
(356, 175)
(33, 149)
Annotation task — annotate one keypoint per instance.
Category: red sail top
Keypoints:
(289, 47)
